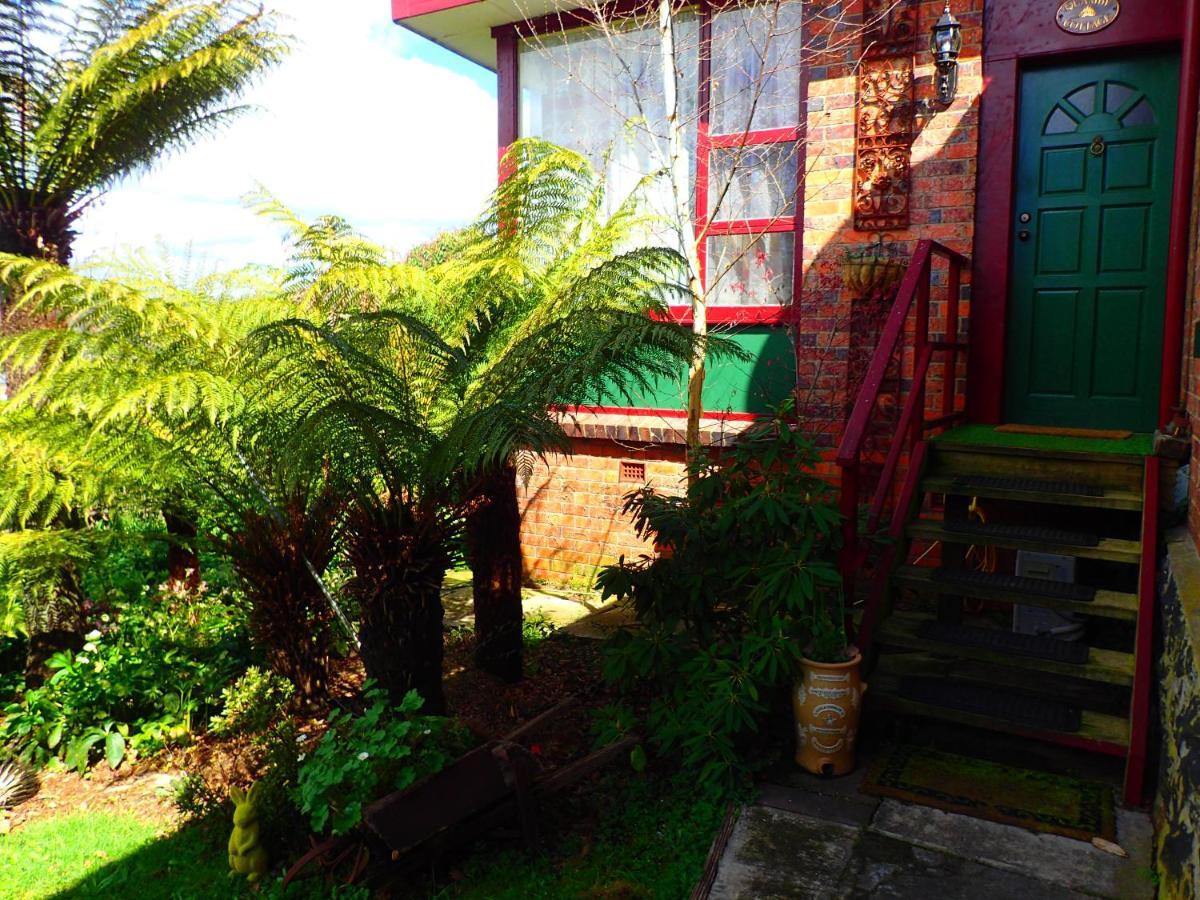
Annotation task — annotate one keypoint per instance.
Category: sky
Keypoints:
(365, 120)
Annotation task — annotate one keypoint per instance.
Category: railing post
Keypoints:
(950, 387)
(920, 341)
(848, 560)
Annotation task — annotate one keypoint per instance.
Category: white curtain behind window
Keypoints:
(601, 91)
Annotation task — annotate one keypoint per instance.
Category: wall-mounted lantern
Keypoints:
(945, 43)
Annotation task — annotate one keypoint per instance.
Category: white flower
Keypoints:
(300, 758)
(363, 755)
(93, 635)
(82, 658)
(90, 647)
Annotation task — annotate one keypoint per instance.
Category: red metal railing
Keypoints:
(912, 299)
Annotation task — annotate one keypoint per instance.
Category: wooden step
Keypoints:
(1113, 472)
(961, 486)
(1113, 549)
(1107, 604)
(1098, 731)
(1107, 666)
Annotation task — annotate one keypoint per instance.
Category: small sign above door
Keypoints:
(1087, 16)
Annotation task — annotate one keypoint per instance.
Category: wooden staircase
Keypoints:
(935, 597)
(942, 636)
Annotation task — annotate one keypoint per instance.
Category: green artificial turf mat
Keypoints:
(987, 436)
(1057, 804)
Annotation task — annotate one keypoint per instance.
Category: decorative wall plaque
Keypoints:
(889, 27)
(1087, 16)
(883, 143)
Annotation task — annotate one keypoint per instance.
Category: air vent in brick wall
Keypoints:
(633, 471)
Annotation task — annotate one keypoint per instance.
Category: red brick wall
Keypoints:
(1191, 365)
(942, 203)
(571, 521)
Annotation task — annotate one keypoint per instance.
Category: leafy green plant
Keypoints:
(195, 799)
(251, 703)
(362, 757)
(743, 587)
(133, 688)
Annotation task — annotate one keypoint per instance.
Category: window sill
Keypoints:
(738, 315)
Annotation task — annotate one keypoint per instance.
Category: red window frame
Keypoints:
(508, 51)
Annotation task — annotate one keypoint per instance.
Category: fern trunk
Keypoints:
(494, 548)
(400, 560)
(183, 563)
(290, 620)
(54, 624)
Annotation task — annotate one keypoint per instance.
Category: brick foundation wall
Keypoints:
(571, 520)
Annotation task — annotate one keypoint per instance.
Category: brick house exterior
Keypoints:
(962, 168)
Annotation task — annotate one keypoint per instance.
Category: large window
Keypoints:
(600, 91)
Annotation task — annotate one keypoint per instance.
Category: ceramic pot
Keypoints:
(827, 703)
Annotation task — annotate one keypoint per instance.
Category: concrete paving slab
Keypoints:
(883, 867)
(775, 855)
(562, 609)
(856, 811)
(1050, 858)
(604, 622)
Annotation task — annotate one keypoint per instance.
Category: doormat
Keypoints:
(1056, 804)
(1097, 434)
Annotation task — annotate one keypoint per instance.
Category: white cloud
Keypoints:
(355, 123)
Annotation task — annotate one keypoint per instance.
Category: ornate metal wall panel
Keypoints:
(884, 123)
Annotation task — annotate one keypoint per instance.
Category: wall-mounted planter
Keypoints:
(873, 272)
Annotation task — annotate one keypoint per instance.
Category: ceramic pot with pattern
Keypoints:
(826, 704)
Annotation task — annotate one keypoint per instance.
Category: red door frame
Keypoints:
(1018, 32)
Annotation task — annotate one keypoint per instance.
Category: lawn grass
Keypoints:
(105, 855)
(637, 836)
(631, 836)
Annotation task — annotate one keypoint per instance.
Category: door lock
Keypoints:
(1023, 234)
(1097, 148)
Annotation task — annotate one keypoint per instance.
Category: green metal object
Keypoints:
(752, 386)
(1092, 208)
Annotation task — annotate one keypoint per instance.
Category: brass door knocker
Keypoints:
(1097, 148)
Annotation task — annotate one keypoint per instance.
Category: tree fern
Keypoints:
(94, 91)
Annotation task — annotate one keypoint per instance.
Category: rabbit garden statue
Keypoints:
(247, 856)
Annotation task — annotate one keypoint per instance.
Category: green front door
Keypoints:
(1090, 220)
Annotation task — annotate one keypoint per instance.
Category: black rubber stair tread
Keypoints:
(1016, 584)
(1114, 549)
(1001, 641)
(925, 582)
(1106, 666)
(1026, 485)
(1033, 712)
(1005, 531)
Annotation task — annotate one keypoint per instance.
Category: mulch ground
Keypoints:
(556, 667)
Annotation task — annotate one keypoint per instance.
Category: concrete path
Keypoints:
(813, 838)
(563, 608)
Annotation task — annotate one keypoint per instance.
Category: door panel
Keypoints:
(1092, 207)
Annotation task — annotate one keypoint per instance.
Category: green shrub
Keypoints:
(143, 680)
(745, 585)
(195, 799)
(251, 703)
(363, 757)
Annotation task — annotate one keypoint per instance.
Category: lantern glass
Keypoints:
(946, 40)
